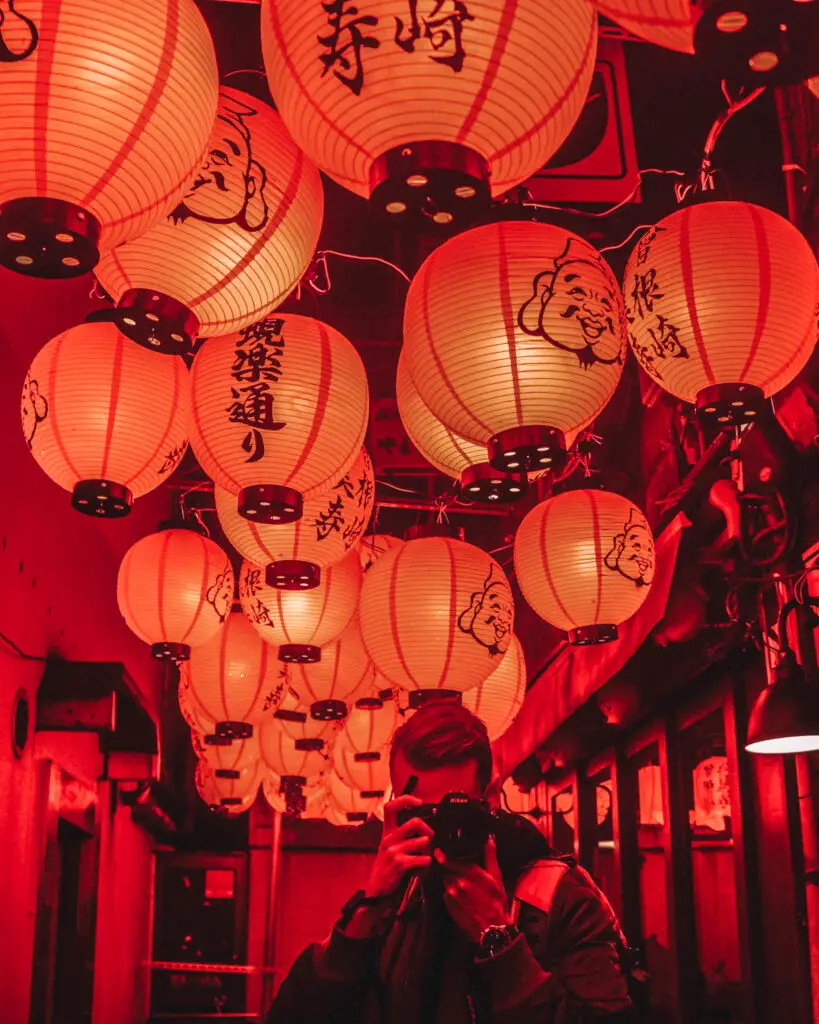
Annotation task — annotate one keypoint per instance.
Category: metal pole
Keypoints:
(269, 985)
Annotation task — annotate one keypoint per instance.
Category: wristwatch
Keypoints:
(496, 938)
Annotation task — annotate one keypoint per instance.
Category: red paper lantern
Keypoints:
(585, 561)
(373, 545)
(409, 104)
(237, 760)
(296, 722)
(302, 622)
(231, 796)
(191, 710)
(315, 798)
(499, 697)
(236, 244)
(297, 761)
(279, 413)
(236, 678)
(514, 338)
(107, 111)
(436, 614)
(175, 590)
(721, 300)
(295, 553)
(668, 23)
(370, 725)
(356, 805)
(104, 419)
(365, 772)
(328, 687)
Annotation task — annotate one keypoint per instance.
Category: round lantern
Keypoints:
(231, 796)
(721, 300)
(370, 725)
(279, 413)
(499, 697)
(429, 110)
(314, 801)
(301, 622)
(105, 420)
(514, 339)
(436, 614)
(373, 545)
(668, 23)
(236, 678)
(236, 760)
(235, 245)
(344, 672)
(297, 762)
(366, 772)
(584, 561)
(355, 804)
(108, 107)
(191, 710)
(295, 553)
(175, 590)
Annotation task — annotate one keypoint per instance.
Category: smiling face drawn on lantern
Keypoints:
(220, 595)
(490, 614)
(18, 34)
(33, 409)
(574, 308)
(229, 187)
(632, 552)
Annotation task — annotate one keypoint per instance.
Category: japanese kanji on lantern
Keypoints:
(301, 622)
(275, 793)
(514, 339)
(279, 413)
(429, 107)
(175, 589)
(331, 525)
(328, 687)
(436, 614)
(233, 247)
(585, 561)
(722, 326)
(236, 678)
(499, 697)
(103, 418)
(107, 107)
(299, 764)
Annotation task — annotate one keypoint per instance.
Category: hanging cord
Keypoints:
(319, 269)
(611, 209)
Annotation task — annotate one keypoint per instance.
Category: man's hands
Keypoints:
(403, 848)
(475, 897)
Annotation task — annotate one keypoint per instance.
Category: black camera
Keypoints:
(462, 826)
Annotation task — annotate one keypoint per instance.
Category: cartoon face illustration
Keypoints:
(632, 552)
(33, 409)
(229, 187)
(490, 614)
(574, 308)
(220, 595)
(18, 34)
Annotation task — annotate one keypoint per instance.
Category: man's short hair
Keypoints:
(444, 732)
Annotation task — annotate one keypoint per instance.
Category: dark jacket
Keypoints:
(564, 968)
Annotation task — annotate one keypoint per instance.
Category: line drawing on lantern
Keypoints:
(355, 40)
(229, 186)
(34, 409)
(564, 293)
(490, 613)
(23, 30)
(632, 551)
(436, 31)
(220, 595)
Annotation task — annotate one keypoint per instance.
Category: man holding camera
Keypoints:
(468, 916)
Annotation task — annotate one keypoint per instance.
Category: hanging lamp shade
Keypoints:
(302, 622)
(357, 805)
(668, 23)
(315, 798)
(235, 245)
(175, 590)
(236, 760)
(236, 678)
(230, 796)
(370, 725)
(329, 687)
(585, 561)
(373, 545)
(301, 762)
(279, 413)
(365, 772)
(409, 105)
(514, 339)
(721, 301)
(436, 614)
(499, 697)
(295, 553)
(192, 712)
(452, 455)
(105, 420)
(108, 107)
(785, 716)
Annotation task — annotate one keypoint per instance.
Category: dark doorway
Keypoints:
(76, 919)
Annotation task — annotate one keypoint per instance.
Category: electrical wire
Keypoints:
(617, 206)
(627, 239)
(21, 653)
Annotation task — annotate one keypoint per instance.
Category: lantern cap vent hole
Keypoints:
(270, 504)
(48, 238)
(102, 498)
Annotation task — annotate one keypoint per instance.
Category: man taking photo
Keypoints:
(468, 916)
